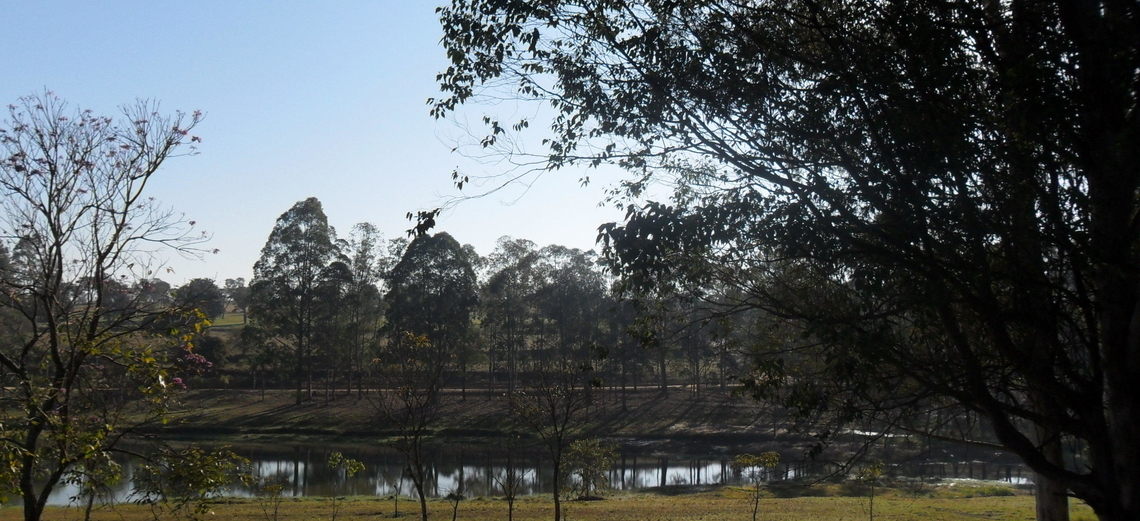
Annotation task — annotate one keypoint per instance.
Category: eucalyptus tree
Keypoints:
(363, 301)
(332, 346)
(432, 292)
(572, 299)
(431, 297)
(284, 291)
(508, 305)
(81, 365)
(237, 294)
(943, 194)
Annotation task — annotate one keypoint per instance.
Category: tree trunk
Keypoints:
(1052, 496)
(623, 390)
(300, 378)
(557, 490)
(423, 502)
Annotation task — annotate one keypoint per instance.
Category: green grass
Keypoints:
(231, 320)
(725, 504)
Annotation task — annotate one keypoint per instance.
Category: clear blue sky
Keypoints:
(303, 99)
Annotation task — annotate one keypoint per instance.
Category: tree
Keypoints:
(943, 194)
(183, 484)
(571, 299)
(153, 293)
(283, 293)
(431, 292)
(202, 294)
(80, 365)
(512, 479)
(554, 407)
(238, 294)
(508, 302)
(590, 460)
(365, 308)
(344, 469)
(413, 373)
(756, 469)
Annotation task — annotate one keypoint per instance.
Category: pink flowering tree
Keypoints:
(85, 362)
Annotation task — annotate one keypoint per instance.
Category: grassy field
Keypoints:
(716, 505)
(228, 321)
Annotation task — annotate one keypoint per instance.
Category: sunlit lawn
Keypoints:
(727, 504)
(230, 320)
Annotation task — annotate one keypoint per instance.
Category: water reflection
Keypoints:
(303, 471)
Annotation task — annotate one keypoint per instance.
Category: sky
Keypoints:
(302, 99)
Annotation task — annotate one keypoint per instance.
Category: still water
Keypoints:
(302, 469)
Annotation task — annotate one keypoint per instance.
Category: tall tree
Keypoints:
(80, 229)
(237, 293)
(283, 293)
(363, 302)
(508, 305)
(571, 299)
(943, 191)
(431, 292)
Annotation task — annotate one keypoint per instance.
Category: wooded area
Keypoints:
(897, 216)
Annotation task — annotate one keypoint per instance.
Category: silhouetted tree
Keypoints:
(283, 293)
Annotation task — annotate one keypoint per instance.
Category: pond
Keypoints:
(302, 469)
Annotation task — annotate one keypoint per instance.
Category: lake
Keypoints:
(303, 470)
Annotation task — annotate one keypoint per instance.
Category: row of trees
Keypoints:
(319, 301)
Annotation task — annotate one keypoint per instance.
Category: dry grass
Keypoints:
(718, 505)
(235, 415)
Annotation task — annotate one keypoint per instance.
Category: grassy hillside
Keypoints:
(649, 414)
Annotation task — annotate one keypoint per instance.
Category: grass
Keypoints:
(239, 414)
(723, 504)
(229, 321)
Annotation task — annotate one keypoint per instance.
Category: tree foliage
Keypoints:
(182, 484)
(939, 194)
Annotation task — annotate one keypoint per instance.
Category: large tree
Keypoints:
(508, 306)
(203, 295)
(431, 293)
(80, 365)
(364, 306)
(941, 193)
(430, 298)
(284, 296)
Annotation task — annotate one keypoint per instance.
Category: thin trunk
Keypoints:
(557, 489)
(300, 377)
(423, 501)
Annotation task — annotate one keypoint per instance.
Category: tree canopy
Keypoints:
(202, 294)
(943, 195)
(432, 291)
